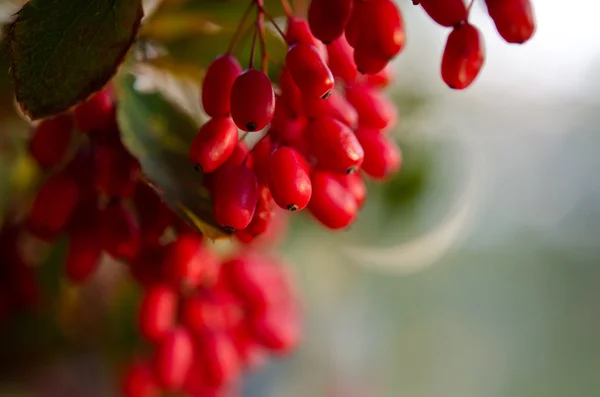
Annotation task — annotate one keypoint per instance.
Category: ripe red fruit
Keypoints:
(463, 57)
(241, 155)
(514, 19)
(210, 311)
(446, 12)
(95, 114)
(298, 31)
(138, 381)
(217, 84)
(287, 129)
(173, 358)
(158, 311)
(328, 18)
(290, 95)
(334, 145)
(278, 328)
(252, 100)
(188, 264)
(153, 214)
(381, 79)
(221, 359)
(382, 155)
(356, 186)
(119, 232)
(51, 140)
(376, 25)
(335, 106)
(374, 109)
(289, 180)
(368, 61)
(117, 171)
(331, 204)
(309, 71)
(213, 144)
(234, 198)
(262, 154)
(341, 59)
(148, 267)
(53, 206)
(83, 256)
(263, 215)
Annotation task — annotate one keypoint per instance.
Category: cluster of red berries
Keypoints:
(464, 54)
(319, 134)
(208, 321)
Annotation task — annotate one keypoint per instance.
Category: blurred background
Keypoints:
(474, 273)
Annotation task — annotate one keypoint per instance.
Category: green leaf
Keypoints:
(62, 51)
(159, 135)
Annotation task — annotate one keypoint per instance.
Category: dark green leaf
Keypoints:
(160, 135)
(62, 51)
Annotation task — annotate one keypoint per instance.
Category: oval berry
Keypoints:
(252, 100)
(331, 204)
(117, 171)
(328, 18)
(53, 206)
(341, 60)
(173, 358)
(374, 109)
(382, 155)
(309, 71)
(188, 263)
(378, 26)
(355, 184)
(334, 145)
(235, 197)
(277, 329)
(368, 61)
(289, 180)
(463, 57)
(95, 114)
(335, 106)
(514, 19)
(263, 215)
(446, 12)
(261, 153)
(158, 312)
(213, 144)
(217, 84)
(119, 232)
(221, 359)
(51, 140)
(298, 31)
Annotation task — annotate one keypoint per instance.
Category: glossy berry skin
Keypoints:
(51, 140)
(234, 198)
(158, 311)
(373, 108)
(173, 358)
(308, 70)
(514, 19)
(446, 12)
(53, 206)
(328, 18)
(341, 60)
(117, 171)
(217, 84)
(331, 204)
(368, 61)
(298, 31)
(463, 57)
(334, 145)
(138, 381)
(95, 114)
(356, 186)
(262, 154)
(252, 100)
(382, 155)
(241, 155)
(263, 216)
(119, 232)
(213, 144)
(335, 106)
(83, 257)
(290, 94)
(289, 180)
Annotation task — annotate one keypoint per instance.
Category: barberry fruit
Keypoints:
(252, 100)
(235, 196)
(217, 84)
(289, 179)
(463, 57)
(213, 144)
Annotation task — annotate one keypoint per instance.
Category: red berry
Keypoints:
(138, 381)
(119, 232)
(213, 144)
(148, 267)
(210, 311)
(262, 154)
(331, 204)
(309, 71)
(514, 19)
(241, 155)
(51, 140)
(289, 130)
(356, 186)
(95, 114)
(335, 106)
(173, 358)
(381, 79)
(298, 31)
(235, 197)
(290, 94)
(463, 57)
(188, 263)
(53, 206)
(263, 215)
(373, 108)
(446, 12)
(83, 256)
(158, 311)
(334, 145)
(328, 18)
(221, 359)
(376, 25)
(117, 171)
(155, 217)
(341, 60)
(217, 84)
(369, 61)
(277, 329)
(289, 180)
(252, 100)
(382, 155)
